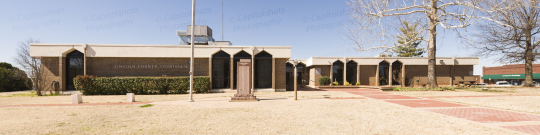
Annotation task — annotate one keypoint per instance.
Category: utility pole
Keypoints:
(191, 62)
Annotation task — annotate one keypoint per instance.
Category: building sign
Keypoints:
(511, 75)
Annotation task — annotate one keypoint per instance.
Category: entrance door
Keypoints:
(74, 67)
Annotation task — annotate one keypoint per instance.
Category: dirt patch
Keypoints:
(218, 116)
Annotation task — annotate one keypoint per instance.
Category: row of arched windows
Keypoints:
(221, 74)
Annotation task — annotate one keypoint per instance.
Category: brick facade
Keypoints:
(412, 73)
(509, 69)
(367, 74)
(51, 69)
(281, 73)
(313, 80)
(419, 72)
(120, 67)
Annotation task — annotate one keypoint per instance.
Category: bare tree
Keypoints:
(514, 36)
(374, 21)
(32, 65)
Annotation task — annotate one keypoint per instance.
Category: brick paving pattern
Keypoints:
(486, 115)
(475, 96)
(367, 92)
(350, 98)
(388, 96)
(483, 115)
(531, 129)
(424, 103)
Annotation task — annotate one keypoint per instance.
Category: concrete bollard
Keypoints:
(76, 98)
(130, 97)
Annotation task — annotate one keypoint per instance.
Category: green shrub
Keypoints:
(91, 85)
(358, 83)
(13, 79)
(5, 76)
(324, 80)
(421, 89)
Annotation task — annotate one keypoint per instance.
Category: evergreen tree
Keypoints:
(408, 47)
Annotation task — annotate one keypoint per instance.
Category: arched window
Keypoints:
(337, 73)
(263, 70)
(289, 69)
(236, 58)
(74, 67)
(397, 75)
(383, 73)
(221, 73)
(351, 72)
(300, 73)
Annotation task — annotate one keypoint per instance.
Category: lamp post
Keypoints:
(295, 61)
(191, 62)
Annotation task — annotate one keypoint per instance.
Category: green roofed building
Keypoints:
(515, 74)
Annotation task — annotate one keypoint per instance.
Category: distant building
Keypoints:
(515, 74)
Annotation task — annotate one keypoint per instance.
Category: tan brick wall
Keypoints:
(280, 73)
(116, 67)
(419, 72)
(367, 75)
(314, 79)
(305, 76)
(51, 68)
(461, 73)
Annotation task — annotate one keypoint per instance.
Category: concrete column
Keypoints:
(345, 72)
(62, 70)
(274, 73)
(231, 79)
(331, 73)
(210, 71)
(357, 74)
(253, 71)
(84, 60)
(452, 75)
(377, 76)
(403, 76)
(389, 74)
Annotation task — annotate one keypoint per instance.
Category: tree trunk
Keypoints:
(528, 60)
(432, 78)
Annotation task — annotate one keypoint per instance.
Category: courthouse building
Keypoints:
(271, 68)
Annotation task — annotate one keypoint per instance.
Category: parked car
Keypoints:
(516, 83)
(481, 84)
(503, 83)
(534, 82)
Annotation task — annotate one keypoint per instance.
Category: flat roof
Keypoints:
(376, 60)
(138, 50)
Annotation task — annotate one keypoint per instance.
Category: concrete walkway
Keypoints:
(518, 121)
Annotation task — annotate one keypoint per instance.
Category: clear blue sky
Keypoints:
(305, 25)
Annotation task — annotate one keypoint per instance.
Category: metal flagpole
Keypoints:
(191, 62)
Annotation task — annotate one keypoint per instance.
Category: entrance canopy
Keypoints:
(510, 76)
